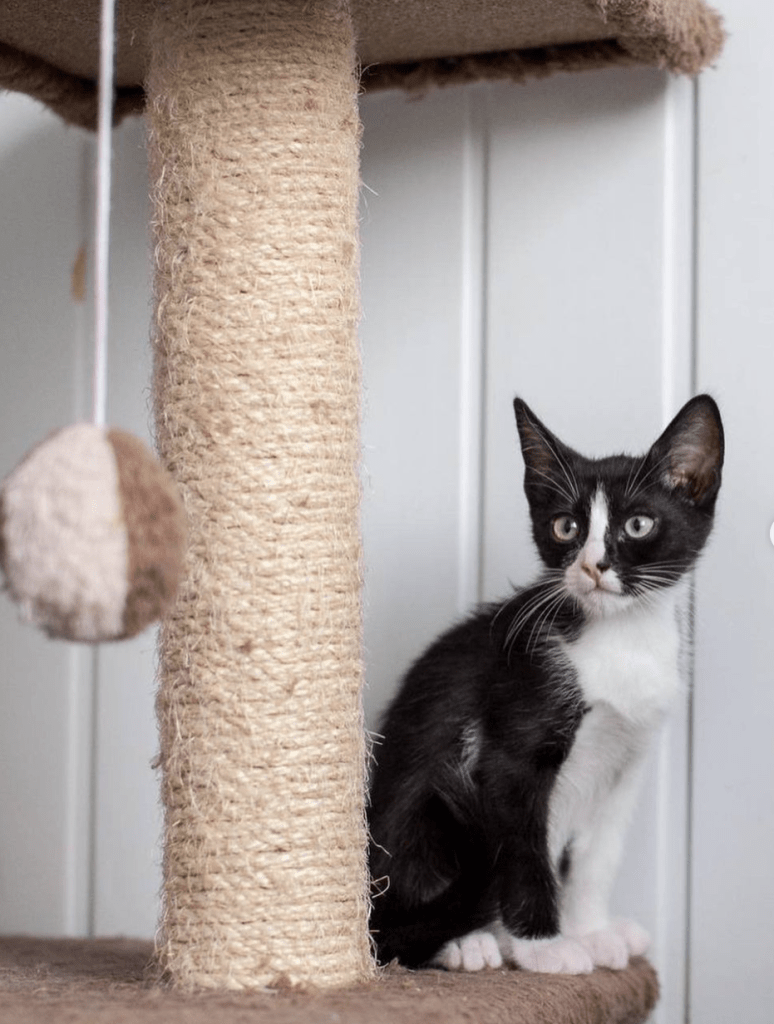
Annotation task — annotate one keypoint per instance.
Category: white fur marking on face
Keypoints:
(594, 549)
(583, 577)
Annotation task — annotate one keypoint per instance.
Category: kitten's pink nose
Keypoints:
(595, 571)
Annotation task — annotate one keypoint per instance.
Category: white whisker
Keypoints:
(549, 597)
(538, 627)
(556, 486)
(639, 482)
(566, 469)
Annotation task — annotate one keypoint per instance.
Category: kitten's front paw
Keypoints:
(612, 947)
(548, 956)
(607, 949)
(472, 952)
(634, 935)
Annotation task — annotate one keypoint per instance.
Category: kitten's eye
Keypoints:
(565, 528)
(639, 526)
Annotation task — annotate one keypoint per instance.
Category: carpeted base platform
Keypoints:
(73, 981)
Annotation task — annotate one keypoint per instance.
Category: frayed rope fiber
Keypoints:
(254, 138)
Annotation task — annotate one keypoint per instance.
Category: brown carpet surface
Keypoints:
(50, 48)
(75, 981)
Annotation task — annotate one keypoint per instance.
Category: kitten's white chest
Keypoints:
(630, 661)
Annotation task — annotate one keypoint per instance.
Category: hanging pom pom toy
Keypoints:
(92, 528)
(92, 535)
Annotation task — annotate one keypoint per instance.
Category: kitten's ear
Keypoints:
(690, 452)
(544, 454)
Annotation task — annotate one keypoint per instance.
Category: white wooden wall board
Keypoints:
(127, 876)
(575, 286)
(421, 230)
(128, 815)
(732, 940)
(44, 685)
(589, 319)
(671, 781)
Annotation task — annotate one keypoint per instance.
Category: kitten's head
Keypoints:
(619, 528)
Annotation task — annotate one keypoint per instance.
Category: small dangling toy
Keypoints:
(92, 535)
(92, 528)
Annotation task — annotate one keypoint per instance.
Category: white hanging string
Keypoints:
(102, 243)
(99, 379)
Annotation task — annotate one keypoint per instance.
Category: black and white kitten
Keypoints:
(511, 754)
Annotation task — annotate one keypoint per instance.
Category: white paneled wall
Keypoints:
(423, 238)
(78, 805)
(44, 688)
(539, 240)
(545, 249)
(127, 819)
(732, 939)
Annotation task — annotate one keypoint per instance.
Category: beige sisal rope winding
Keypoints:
(254, 138)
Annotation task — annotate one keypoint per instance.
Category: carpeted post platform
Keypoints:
(76, 981)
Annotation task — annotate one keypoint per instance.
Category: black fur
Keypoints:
(473, 741)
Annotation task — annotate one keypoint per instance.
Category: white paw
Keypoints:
(473, 952)
(607, 949)
(634, 935)
(612, 946)
(549, 956)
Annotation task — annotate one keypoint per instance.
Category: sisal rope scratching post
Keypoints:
(254, 138)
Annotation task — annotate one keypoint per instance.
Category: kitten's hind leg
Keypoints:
(472, 952)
